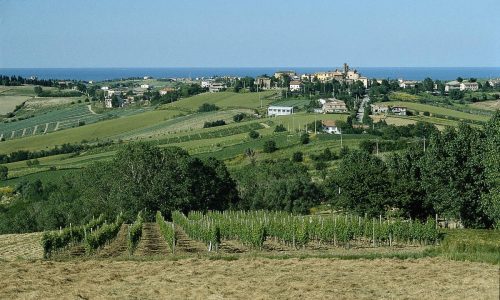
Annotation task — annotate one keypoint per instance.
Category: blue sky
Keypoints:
(217, 33)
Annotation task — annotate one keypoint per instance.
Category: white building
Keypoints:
(216, 87)
(279, 110)
(407, 84)
(333, 105)
(205, 84)
(399, 110)
(105, 88)
(146, 86)
(330, 126)
(295, 86)
(452, 85)
(469, 86)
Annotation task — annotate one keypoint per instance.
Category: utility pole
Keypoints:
(340, 138)
(377, 146)
(315, 124)
(424, 143)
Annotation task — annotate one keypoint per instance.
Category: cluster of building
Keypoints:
(213, 86)
(462, 86)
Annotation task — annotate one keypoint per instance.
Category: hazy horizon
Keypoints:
(220, 34)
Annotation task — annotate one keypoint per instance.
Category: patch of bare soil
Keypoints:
(186, 245)
(118, 246)
(249, 278)
(151, 243)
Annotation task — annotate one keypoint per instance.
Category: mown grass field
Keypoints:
(225, 100)
(8, 103)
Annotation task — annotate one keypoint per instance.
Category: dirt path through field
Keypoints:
(248, 278)
(118, 246)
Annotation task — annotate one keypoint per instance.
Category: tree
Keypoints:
(38, 90)
(4, 172)
(115, 101)
(304, 138)
(298, 156)
(428, 84)
(360, 184)
(206, 107)
(279, 128)
(456, 94)
(460, 79)
(238, 117)
(491, 199)
(277, 185)
(270, 146)
(253, 134)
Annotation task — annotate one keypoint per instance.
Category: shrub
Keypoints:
(270, 146)
(253, 134)
(214, 124)
(304, 138)
(427, 114)
(279, 128)
(239, 117)
(4, 172)
(135, 233)
(205, 107)
(298, 156)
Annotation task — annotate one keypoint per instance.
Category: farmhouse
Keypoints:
(295, 86)
(379, 109)
(469, 86)
(279, 110)
(263, 83)
(334, 106)
(399, 110)
(205, 84)
(452, 85)
(280, 74)
(166, 90)
(146, 86)
(216, 87)
(494, 82)
(330, 126)
(407, 84)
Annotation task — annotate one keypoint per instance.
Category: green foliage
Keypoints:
(103, 235)
(206, 107)
(279, 128)
(214, 123)
(304, 138)
(490, 201)
(298, 156)
(270, 146)
(53, 241)
(277, 185)
(362, 181)
(239, 117)
(253, 134)
(167, 230)
(135, 233)
(4, 172)
(200, 229)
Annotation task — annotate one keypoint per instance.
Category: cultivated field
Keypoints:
(489, 105)
(249, 278)
(438, 110)
(225, 100)
(8, 103)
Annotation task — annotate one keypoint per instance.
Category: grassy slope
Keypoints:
(224, 100)
(438, 110)
(100, 130)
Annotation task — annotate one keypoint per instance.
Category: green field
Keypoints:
(225, 100)
(300, 103)
(438, 110)
(97, 131)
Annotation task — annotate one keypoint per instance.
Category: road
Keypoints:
(361, 110)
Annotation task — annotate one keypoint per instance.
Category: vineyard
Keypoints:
(234, 231)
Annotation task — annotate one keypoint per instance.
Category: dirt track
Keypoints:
(248, 278)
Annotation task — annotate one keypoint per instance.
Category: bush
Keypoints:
(205, 107)
(214, 124)
(304, 138)
(279, 128)
(427, 114)
(4, 172)
(239, 117)
(298, 156)
(270, 146)
(135, 233)
(253, 134)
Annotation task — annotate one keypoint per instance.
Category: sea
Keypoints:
(100, 74)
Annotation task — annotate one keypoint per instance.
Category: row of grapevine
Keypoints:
(135, 233)
(252, 228)
(57, 240)
(203, 230)
(167, 230)
(103, 235)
